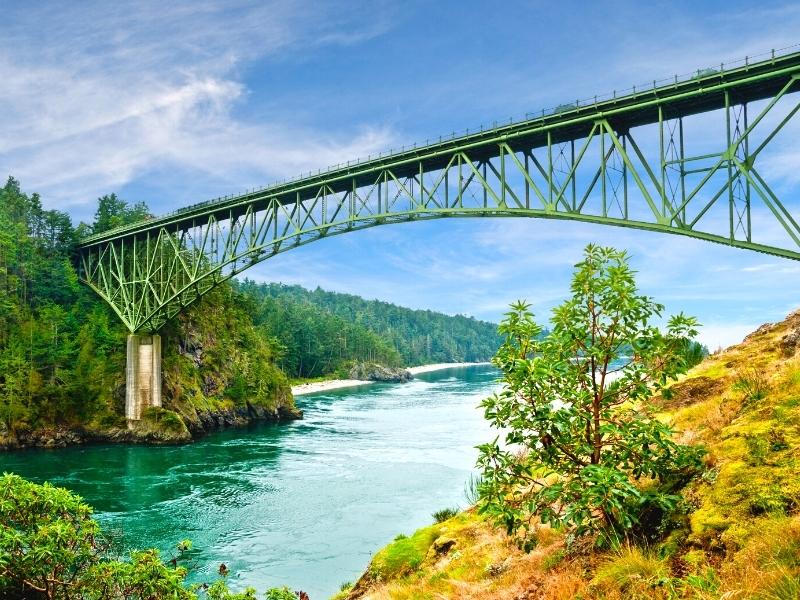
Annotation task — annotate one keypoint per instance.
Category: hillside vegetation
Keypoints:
(737, 535)
(62, 350)
(322, 331)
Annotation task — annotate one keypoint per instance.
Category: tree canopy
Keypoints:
(115, 212)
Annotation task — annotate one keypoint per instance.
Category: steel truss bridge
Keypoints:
(680, 157)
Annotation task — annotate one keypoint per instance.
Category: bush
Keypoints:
(403, 555)
(51, 548)
(752, 383)
(46, 535)
(165, 419)
(283, 593)
(443, 515)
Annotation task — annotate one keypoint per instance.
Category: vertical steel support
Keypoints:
(380, 187)
(731, 200)
(549, 167)
(662, 160)
(460, 198)
(527, 183)
(682, 170)
(625, 179)
(485, 183)
(502, 177)
(746, 179)
(351, 205)
(423, 201)
(574, 175)
(603, 172)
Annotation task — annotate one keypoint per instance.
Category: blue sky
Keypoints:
(174, 103)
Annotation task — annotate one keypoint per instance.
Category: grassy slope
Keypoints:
(740, 538)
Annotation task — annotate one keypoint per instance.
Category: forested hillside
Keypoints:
(62, 350)
(322, 329)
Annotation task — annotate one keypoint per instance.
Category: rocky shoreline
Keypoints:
(375, 372)
(158, 427)
(163, 426)
(327, 385)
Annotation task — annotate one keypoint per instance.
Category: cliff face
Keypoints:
(738, 537)
(219, 370)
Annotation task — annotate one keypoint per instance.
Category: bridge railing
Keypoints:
(564, 108)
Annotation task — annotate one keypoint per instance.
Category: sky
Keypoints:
(173, 103)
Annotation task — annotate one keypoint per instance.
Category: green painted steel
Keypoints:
(624, 160)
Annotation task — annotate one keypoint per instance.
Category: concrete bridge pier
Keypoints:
(143, 375)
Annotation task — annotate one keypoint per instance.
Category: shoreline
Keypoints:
(327, 385)
(441, 366)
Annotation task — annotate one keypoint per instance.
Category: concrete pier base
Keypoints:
(143, 375)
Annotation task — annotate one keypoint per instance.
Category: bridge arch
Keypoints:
(624, 161)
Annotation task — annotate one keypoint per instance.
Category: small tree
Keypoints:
(574, 406)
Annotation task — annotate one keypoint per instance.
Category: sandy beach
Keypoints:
(335, 384)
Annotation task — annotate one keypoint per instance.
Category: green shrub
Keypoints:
(283, 593)
(705, 581)
(443, 515)
(403, 555)
(752, 383)
(50, 547)
(50, 544)
(777, 439)
(757, 449)
(166, 420)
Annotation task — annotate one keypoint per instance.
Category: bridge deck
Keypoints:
(703, 92)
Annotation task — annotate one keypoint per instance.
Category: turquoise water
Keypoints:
(303, 504)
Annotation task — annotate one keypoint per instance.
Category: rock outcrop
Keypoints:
(375, 372)
(158, 426)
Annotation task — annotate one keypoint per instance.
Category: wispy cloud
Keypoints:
(97, 94)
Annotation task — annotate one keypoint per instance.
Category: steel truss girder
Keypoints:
(151, 272)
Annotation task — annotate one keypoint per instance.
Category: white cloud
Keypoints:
(96, 95)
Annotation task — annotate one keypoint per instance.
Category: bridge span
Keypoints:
(681, 156)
